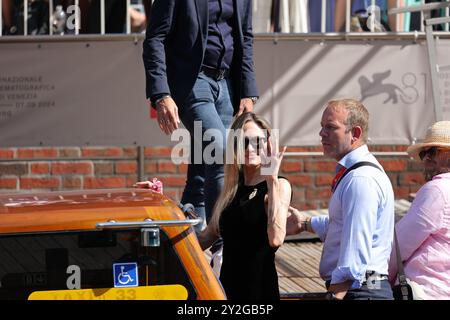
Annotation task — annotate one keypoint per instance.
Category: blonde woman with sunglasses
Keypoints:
(251, 212)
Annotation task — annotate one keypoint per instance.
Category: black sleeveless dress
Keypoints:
(248, 269)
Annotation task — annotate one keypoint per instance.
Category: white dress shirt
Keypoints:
(358, 232)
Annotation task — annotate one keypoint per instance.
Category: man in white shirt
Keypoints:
(358, 232)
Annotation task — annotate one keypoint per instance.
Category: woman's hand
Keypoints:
(154, 185)
(271, 158)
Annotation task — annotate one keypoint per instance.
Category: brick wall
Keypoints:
(310, 176)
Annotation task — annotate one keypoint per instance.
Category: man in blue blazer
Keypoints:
(198, 58)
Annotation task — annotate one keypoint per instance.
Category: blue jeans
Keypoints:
(210, 103)
(383, 292)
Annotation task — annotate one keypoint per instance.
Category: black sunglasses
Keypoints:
(430, 151)
(257, 142)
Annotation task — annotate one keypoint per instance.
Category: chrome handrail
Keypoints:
(148, 223)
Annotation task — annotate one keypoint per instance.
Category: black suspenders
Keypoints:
(353, 167)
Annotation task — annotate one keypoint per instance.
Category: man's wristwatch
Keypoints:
(161, 99)
(254, 99)
(305, 224)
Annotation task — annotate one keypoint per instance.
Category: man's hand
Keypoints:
(246, 105)
(168, 119)
(340, 289)
(294, 223)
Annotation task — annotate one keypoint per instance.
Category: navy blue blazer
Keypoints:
(175, 43)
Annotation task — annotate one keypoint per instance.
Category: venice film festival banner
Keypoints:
(92, 92)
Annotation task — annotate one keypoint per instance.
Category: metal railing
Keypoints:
(148, 223)
(428, 22)
(374, 15)
(77, 17)
(373, 3)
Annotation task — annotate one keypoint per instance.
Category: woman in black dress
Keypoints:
(250, 214)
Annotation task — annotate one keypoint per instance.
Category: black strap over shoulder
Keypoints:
(355, 166)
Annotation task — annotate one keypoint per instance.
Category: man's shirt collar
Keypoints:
(354, 156)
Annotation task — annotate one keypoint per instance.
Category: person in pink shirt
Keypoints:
(424, 232)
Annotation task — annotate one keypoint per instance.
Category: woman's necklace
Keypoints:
(243, 200)
(253, 194)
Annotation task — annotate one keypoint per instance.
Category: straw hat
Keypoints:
(438, 135)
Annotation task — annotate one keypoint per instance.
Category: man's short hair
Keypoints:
(357, 115)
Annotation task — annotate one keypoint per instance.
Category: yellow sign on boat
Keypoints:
(165, 292)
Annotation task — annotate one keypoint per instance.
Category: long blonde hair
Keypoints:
(234, 171)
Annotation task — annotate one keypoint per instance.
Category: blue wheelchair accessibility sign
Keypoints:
(125, 274)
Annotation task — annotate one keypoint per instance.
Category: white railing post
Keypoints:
(284, 12)
(1, 18)
(25, 17)
(348, 11)
(323, 17)
(50, 17)
(77, 17)
(421, 17)
(128, 16)
(102, 16)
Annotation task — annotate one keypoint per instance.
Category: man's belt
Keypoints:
(216, 74)
(372, 276)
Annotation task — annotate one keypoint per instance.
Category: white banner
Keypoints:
(392, 79)
(71, 93)
(74, 93)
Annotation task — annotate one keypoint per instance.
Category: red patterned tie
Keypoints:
(337, 177)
